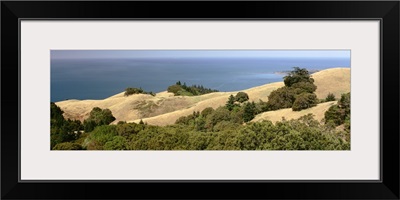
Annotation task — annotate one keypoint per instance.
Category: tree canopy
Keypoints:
(298, 92)
(98, 117)
(129, 91)
(180, 89)
(297, 75)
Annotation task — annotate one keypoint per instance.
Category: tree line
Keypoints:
(180, 89)
(212, 129)
(129, 91)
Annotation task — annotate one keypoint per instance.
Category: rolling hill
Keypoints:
(165, 108)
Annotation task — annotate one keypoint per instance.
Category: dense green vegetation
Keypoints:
(298, 92)
(69, 134)
(330, 97)
(98, 117)
(61, 130)
(180, 89)
(227, 127)
(217, 129)
(302, 134)
(340, 114)
(130, 91)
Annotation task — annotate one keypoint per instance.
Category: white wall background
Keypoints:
(39, 163)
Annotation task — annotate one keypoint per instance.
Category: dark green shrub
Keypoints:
(304, 87)
(296, 76)
(174, 89)
(117, 143)
(62, 130)
(339, 113)
(230, 104)
(335, 115)
(344, 102)
(100, 136)
(304, 101)
(130, 91)
(220, 114)
(241, 97)
(207, 111)
(249, 111)
(98, 117)
(67, 146)
(183, 90)
(283, 97)
(330, 97)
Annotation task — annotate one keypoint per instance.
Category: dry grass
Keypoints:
(274, 116)
(336, 81)
(165, 108)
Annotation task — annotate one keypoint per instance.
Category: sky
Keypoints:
(93, 54)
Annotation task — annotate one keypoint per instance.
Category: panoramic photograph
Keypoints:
(200, 100)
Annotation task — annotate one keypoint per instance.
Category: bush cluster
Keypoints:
(180, 89)
(129, 91)
(298, 92)
(340, 113)
(301, 134)
(98, 117)
(62, 130)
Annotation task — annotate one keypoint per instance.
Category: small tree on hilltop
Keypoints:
(330, 97)
(296, 76)
(174, 89)
(241, 97)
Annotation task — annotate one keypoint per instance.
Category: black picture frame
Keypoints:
(386, 11)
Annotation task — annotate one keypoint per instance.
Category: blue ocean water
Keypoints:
(101, 78)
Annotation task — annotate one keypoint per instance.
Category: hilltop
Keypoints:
(164, 108)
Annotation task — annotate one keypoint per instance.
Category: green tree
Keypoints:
(62, 130)
(341, 112)
(117, 143)
(297, 92)
(230, 104)
(100, 136)
(241, 97)
(297, 75)
(283, 97)
(207, 111)
(220, 114)
(68, 146)
(330, 97)
(249, 111)
(56, 115)
(98, 117)
(130, 91)
(174, 89)
(304, 101)
(301, 87)
(344, 102)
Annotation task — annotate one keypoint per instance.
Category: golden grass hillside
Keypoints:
(276, 115)
(165, 108)
(335, 80)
